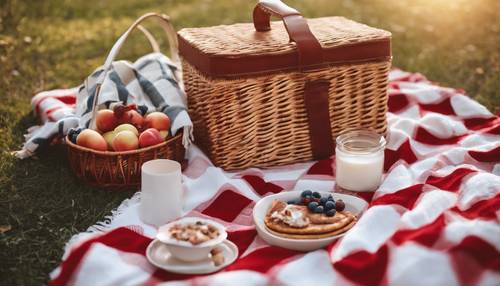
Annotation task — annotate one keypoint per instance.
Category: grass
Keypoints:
(53, 44)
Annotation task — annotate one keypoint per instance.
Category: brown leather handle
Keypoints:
(308, 47)
(310, 54)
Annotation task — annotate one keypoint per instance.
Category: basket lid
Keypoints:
(239, 49)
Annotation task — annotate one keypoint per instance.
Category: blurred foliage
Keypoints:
(56, 44)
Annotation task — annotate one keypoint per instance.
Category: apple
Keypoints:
(105, 120)
(157, 120)
(128, 114)
(132, 117)
(92, 139)
(128, 127)
(136, 119)
(164, 134)
(150, 137)
(125, 140)
(108, 137)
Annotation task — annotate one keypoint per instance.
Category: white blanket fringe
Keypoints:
(101, 226)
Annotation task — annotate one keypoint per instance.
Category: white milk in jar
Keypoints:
(359, 160)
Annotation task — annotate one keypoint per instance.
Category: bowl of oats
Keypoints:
(192, 238)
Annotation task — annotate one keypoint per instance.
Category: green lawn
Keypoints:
(53, 44)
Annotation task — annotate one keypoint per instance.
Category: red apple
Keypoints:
(92, 139)
(157, 120)
(105, 120)
(150, 137)
(125, 140)
(131, 117)
(135, 118)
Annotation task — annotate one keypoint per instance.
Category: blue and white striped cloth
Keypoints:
(153, 83)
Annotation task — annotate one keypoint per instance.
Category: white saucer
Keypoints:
(353, 204)
(158, 255)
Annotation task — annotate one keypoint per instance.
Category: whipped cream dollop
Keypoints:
(291, 216)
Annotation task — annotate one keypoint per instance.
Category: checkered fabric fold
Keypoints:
(153, 83)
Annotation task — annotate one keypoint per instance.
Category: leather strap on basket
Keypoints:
(308, 47)
(310, 54)
(318, 114)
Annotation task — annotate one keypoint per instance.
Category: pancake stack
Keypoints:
(318, 225)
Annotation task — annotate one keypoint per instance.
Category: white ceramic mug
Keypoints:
(161, 191)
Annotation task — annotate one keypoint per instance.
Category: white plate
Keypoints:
(157, 253)
(353, 204)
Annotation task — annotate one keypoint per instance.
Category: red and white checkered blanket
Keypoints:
(435, 220)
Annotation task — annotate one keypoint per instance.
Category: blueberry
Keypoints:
(306, 199)
(339, 205)
(322, 201)
(312, 206)
(331, 212)
(72, 138)
(329, 205)
(73, 133)
(306, 193)
(319, 209)
(330, 198)
(142, 109)
(316, 195)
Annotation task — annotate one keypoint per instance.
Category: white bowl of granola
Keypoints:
(191, 238)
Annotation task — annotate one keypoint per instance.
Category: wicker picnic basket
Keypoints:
(272, 93)
(122, 170)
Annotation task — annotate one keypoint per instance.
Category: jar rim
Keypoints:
(360, 141)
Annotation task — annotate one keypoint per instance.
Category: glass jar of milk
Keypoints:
(359, 160)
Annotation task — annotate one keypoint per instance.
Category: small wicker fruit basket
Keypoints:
(116, 170)
(122, 170)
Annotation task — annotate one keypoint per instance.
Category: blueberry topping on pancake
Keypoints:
(307, 199)
(322, 201)
(329, 205)
(306, 193)
(319, 209)
(331, 212)
(312, 206)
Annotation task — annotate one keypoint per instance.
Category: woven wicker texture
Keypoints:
(119, 170)
(122, 170)
(243, 40)
(261, 121)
